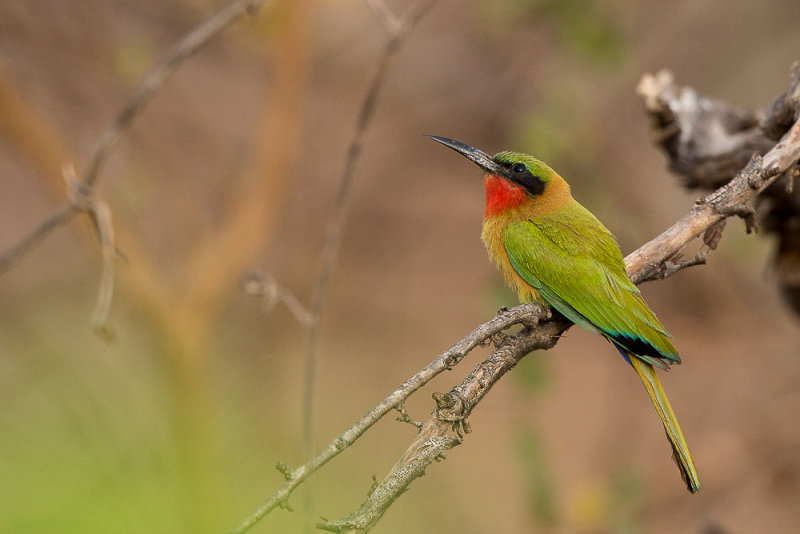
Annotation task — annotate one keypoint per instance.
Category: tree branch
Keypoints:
(524, 314)
(82, 194)
(446, 428)
(158, 76)
(706, 141)
(58, 218)
(397, 30)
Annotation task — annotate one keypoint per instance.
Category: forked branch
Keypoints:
(82, 193)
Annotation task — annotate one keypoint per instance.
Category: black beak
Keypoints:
(480, 158)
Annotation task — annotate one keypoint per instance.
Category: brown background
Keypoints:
(177, 424)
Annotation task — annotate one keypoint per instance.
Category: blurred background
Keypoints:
(176, 425)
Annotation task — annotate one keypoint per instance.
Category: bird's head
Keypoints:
(513, 180)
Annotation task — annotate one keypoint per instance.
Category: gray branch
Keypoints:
(706, 142)
(523, 314)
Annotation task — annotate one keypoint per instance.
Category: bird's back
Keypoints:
(573, 263)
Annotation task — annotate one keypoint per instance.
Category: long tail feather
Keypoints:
(680, 451)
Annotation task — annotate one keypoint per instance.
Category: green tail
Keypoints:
(680, 451)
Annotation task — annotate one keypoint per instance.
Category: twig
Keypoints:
(445, 429)
(81, 193)
(83, 198)
(707, 141)
(523, 314)
(157, 77)
(13, 255)
(731, 199)
(398, 30)
(265, 287)
(405, 417)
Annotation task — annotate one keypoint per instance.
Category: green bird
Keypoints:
(553, 251)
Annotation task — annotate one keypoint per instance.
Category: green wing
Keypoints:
(575, 263)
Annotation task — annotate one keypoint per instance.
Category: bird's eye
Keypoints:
(519, 168)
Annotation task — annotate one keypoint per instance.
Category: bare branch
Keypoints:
(706, 141)
(523, 314)
(83, 198)
(667, 105)
(157, 77)
(56, 219)
(398, 30)
(265, 287)
(101, 213)
(81, 194)
(446, 428)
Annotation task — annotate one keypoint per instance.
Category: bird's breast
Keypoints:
(492, 237)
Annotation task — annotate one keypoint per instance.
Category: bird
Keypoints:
(553, 251)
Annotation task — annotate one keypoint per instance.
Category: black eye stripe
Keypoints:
(519, 173)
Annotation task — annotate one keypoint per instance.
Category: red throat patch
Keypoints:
(501, 195)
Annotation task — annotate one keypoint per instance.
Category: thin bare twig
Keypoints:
(158, 76)
(446, 428)
(265, 287)
(99, 320)
(82, 196)
(524, 314)
(56, 219)
(398, 30)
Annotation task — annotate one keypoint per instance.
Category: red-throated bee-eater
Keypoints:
(553, 251)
